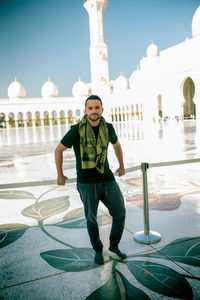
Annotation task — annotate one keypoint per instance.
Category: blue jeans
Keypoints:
(110, 195)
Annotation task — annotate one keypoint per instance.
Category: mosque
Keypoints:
(166, 84)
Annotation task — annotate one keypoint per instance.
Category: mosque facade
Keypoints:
(166, 84)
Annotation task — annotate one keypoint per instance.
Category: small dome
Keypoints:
(80, 89)
(49, 89)
(135, 78)
(16, 90)
(196, 23)
(121, 83)
(152, 50)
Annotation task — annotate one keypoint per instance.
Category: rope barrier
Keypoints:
(71, 180)
(147, 236)
(176, 162)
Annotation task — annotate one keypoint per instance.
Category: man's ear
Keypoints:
(84, 112)
(102, 109)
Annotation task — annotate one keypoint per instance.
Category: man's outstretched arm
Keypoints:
(118, 152)
(59, 164)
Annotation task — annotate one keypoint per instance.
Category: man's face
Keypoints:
(93, 110)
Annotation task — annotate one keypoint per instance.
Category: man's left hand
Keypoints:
(120, 171)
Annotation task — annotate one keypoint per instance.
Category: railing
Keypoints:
(147, 236)
(143, 237)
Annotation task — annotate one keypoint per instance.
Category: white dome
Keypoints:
(16, 90)
(121, 83)
(196, 23)
(135, 78)
(152, 50)
(80, 89)
(49, 89)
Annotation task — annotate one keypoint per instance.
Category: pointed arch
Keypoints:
(188, 91)
(159, 99)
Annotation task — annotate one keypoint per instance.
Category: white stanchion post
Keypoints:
(146, 236)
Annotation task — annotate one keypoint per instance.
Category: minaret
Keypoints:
(98, 47)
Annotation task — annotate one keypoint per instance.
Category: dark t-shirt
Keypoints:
(72, 138)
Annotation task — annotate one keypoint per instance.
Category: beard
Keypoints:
(94, 119)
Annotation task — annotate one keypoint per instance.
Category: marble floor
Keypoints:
(45, 251)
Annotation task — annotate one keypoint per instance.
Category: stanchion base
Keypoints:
(142, 238)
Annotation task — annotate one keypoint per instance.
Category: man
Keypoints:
(95, 180)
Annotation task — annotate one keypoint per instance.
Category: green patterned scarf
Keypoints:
(93, 152)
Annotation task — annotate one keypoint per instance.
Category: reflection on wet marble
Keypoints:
(44, 246)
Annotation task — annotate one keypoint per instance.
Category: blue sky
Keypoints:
(50, 38)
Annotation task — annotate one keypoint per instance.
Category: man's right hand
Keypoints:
(61, 179)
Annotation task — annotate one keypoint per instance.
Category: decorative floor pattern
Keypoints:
(46, 254)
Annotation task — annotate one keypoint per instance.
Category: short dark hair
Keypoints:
(93, 97)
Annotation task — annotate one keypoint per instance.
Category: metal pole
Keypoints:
(144, 167)
(146, 236)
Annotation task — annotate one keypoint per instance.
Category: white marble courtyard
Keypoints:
(45, 250)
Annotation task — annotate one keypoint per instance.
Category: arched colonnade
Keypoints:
(39, 118)
(126, 113)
